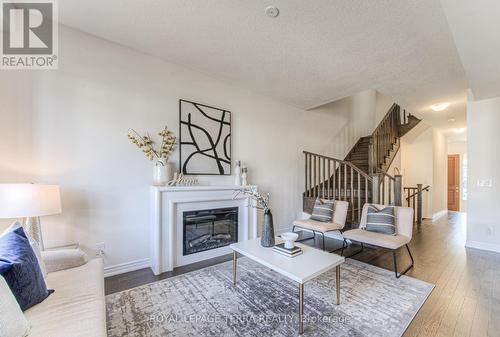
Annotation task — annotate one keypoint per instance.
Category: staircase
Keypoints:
(362, 176)
(360, 154)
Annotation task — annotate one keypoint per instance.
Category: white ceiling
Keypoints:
(315, 51)
(452, 121)
(475, 25)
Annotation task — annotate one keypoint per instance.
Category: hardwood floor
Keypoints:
(137, 278)
(465, 301)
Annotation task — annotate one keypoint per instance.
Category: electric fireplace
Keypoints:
(209, 229)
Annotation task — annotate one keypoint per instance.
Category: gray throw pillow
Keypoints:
(323, 210)
(381, 220)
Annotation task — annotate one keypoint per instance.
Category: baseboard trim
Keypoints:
(491, 247)
(126, 267)
(439, 214)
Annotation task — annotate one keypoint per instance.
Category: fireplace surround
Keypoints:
(171, 206)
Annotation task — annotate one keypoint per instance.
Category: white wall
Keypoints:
(417, 166)
(382, 106)
(440, 173)
(15, 125)
(80, 118)
(460, 148)
(424, 161)
(356, 116)
(16, 157)
(483, 139)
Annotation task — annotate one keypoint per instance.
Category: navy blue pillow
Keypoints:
(19, 266)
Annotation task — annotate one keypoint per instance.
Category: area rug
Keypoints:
(263, 303)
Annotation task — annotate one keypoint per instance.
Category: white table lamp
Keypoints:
(29, 201)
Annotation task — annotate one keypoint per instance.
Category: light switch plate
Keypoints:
(484, 182)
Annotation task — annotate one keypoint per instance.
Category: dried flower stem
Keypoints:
(146, 144)
(261, 201)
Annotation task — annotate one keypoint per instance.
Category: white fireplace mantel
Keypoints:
(167, 206)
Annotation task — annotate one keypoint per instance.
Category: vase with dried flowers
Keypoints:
(162, 171)
(261, 202)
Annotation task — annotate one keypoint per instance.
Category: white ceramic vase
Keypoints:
(162, 172)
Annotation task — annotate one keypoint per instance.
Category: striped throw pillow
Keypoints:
(323, 210)
(381, 220)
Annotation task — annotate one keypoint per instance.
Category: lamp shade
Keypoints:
(29, 200)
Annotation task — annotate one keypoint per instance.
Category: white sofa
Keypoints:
(77, 307)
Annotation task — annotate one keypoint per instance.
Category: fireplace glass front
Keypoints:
(209, 229)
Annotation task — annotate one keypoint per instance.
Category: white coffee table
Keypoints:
(311, 263)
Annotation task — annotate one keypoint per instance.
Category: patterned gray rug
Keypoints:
(263, 303)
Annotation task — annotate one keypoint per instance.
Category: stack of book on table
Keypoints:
(280, 248)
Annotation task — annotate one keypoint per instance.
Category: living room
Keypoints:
(304, 95)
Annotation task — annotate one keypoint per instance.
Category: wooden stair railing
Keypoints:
(414, 199)
(385, 140)
(362, 176)
(332, 178)
(387, 189)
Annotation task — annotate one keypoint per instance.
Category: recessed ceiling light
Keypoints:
(272, 11)
(440, 106)
(461, 130)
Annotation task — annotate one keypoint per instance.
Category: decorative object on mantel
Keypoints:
(237, 173)
(205, 139)
(181, 180)
(262, 202)
(244, 181)
(162, 171)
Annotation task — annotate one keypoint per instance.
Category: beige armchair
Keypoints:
(404, 233)
(337, 223)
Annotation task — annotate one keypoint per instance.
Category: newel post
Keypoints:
(419, 203)
(371, 157)
(376, 188)
(398, 190)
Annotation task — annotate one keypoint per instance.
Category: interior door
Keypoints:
(454, 182)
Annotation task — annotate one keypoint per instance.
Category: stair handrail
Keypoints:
(379, 126)
(394, 188)
(414, 200)
(383, 136)
(424, 189)
(327, 177)
(380, 171)
(357, 169)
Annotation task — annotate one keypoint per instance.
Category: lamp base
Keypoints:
(33, 228)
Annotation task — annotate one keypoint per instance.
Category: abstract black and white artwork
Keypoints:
(205, 139)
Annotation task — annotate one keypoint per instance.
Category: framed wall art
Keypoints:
(204, 139)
